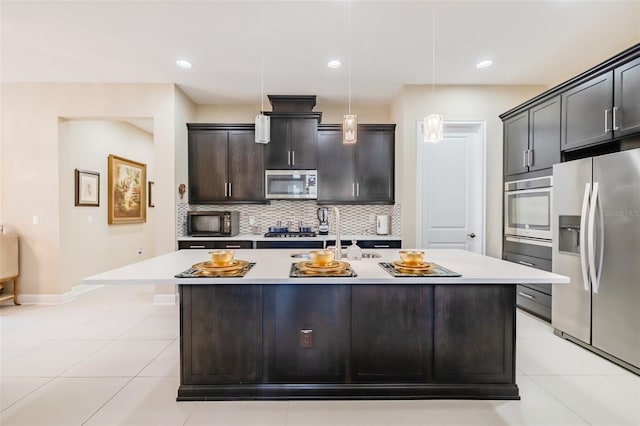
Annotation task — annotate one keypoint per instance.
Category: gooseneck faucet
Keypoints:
(338, 249)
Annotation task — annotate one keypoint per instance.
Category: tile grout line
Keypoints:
(556, 398)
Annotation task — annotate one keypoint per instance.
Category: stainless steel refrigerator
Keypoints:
(596, 242)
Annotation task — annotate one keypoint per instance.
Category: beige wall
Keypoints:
(483, 103)
(30, 175)
(331, 113)
(88, 244)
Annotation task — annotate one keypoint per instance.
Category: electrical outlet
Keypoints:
(36, 220)
(372, 219)
(306, 339)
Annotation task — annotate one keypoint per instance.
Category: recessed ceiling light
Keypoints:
(183, 64)
(484, 64)
(334, 64)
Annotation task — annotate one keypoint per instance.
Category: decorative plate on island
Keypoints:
(301, 269)
(434, 270)
(216, 273)
(422, 266)
(232, 266)
(333, 266)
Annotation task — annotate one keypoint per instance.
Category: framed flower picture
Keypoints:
(87, 188)
(127, 191)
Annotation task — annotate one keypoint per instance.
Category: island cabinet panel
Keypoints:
(391, 333)
(306, 333)
(221, 334)
(474, 334)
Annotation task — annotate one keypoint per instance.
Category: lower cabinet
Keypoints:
(533, 298)
(307, 333)
(221, 334)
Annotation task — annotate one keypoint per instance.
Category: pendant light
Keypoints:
(263, 122)
(433, 123)
(349, 121)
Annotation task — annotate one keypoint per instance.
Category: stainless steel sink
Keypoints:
(365, 255)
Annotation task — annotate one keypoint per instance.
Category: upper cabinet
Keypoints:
(592, 113)
(225, 164)
(294, 141)
(586, 112)
(294, 133)
(362, 173)
(532, 138)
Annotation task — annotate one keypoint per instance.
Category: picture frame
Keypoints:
(127, 191)
(150, 193)
(87, 188)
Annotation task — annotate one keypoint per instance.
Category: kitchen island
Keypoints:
(269, 336)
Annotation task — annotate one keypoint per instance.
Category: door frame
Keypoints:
(479, 127)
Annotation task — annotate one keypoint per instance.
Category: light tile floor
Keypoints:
(112, 358)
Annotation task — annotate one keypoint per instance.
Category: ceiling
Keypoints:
(388, 44)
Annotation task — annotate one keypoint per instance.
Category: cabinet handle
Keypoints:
(615, 126)
(293, 158)
(357, 189)
(606, 121)
(522, 262)
(524, 158)
(226, 192)
(353, 189)
(229, 189)
(196, 246)
(381, 246)
(530, 158)
(288, 158)
(232, 246)
(528, 296)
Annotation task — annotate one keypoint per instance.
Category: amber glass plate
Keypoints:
(422, 266)
(308, 267)
(210, 267)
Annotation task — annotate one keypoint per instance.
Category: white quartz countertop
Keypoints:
(261, 237)
(273, 266)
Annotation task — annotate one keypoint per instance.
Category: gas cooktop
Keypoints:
(289, 234)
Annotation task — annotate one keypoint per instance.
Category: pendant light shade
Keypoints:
(263, 128)
(433, 128)
(349, 129)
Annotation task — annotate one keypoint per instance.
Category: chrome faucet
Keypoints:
(338, 249)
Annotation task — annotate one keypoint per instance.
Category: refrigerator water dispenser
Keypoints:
(569, 234)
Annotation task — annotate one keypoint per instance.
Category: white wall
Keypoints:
(456, 103)
(88, 244)
(30, 175)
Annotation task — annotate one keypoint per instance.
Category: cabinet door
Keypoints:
(516, 143)
(246, 167)
(374, 163)
(544, 135)
(304, 143)
(626, 119)
(335, 168)
(277, 152)
(586, 112)
(308, 327)
(207, 166)
(391, 332)
(221, 334)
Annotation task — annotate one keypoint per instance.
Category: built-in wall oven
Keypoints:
(527, 210)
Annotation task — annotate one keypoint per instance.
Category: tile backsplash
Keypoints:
(355, 219)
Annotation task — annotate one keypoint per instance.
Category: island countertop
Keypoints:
(272, 266)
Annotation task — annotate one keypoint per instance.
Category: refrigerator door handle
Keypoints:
(593, 272)
(583, 236)
(600, 243)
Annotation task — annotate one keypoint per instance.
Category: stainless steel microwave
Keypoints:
(213, 223)
(527, 207)
(291, 184)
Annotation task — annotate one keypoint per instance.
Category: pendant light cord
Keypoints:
(262, 57)
(433, 52)
(349, 26)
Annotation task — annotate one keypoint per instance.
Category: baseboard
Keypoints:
(165, 299)
(56, 299)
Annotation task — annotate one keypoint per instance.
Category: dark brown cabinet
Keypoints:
(587, 112)
(362, 173)
(225, 345)
(212, 244)
(626, 109)
(294, 141)
(532, 138)
(307, 333)
(225, 164)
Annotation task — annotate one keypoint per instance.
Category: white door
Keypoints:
(451, 188)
